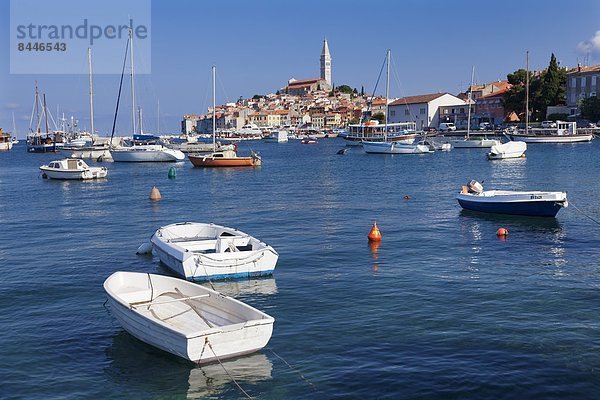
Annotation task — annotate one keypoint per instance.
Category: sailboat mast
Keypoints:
(14, 125)
(157, 116)
(132, 81)
(37, 107)
(214, 116)
(140, 122)
(91, 93)
(46, 114)
(470, 100)
(387, 93)
(527, 93)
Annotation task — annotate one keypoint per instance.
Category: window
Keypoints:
(573, 82)
(462, 110)
(422, 111)
(582, 81)
(392, 113)
(446, 111)
(592, 94)
(593, 80)
(407, 112)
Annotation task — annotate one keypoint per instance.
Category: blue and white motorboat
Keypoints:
(529, 203)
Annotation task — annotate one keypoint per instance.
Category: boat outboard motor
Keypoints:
(475, 187)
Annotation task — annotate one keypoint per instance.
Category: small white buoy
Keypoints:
(145, 248)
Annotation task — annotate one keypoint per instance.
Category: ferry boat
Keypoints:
(373, 131)
(565, 132)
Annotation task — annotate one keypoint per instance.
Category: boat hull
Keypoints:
(512, 149)
(5, 146)
(91, 153)
(395, 148)
(226, 327)
(207, 259)
(90, 173)
(147, 155)
(214, 162)
(474, 143)
(552, 138)
(535, 204)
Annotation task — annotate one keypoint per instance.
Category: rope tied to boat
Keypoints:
(293, 369)
(575, 207)
(225, 369)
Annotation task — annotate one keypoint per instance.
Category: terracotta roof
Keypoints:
(423, 98)
(502, 84)
(304, 81)
(499, 93)
(584, 69)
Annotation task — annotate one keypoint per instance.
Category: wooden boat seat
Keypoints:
(232, 243)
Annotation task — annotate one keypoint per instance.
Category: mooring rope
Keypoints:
(293, 369)
(227, 372)
(575, 207)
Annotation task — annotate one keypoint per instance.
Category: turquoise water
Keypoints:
(442, 309)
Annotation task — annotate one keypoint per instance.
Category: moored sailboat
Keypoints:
(223, 158)
(393, 146)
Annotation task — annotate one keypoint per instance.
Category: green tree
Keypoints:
(590, 108)
(362, 90)
(344, 89)
(379, 117)
(553, 84)
(518, 77)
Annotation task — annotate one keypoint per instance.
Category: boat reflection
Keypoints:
(243, 287)
(144, 371)
(543, 224)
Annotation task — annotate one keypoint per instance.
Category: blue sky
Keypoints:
(258, 45)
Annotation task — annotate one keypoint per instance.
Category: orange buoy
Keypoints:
(502, 232)
(374, 235)
(155, 194)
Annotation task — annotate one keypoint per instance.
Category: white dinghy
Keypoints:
(199, 251)
(72, 168)
(507, 150)
(185, 319)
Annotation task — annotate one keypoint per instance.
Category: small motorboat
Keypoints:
(199, 251)
(186, 319)
(343, 150)
(532, 203)
(309, 140)
(72, 168)
(507, 150)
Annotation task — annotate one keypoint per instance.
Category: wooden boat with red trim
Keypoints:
(226, 158)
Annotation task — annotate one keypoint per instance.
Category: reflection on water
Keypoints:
(511, 172)
(244, 287)
(543, 224)
(208, 379)
(141, 369)
(374, 248)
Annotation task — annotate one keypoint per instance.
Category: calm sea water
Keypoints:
(442, 309)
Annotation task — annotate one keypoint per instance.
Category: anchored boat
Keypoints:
(199, 251)
(72, 169)
(507, 150)
(532, 203)
(185, 319)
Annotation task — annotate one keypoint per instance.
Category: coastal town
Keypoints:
(318, 104)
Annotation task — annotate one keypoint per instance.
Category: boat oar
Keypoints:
(152, 303)
(210, 324)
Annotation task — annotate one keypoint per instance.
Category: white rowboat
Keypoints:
(199, 251)
(185, 319)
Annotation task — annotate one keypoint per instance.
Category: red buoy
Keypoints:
(502, 232)
(374, 235)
